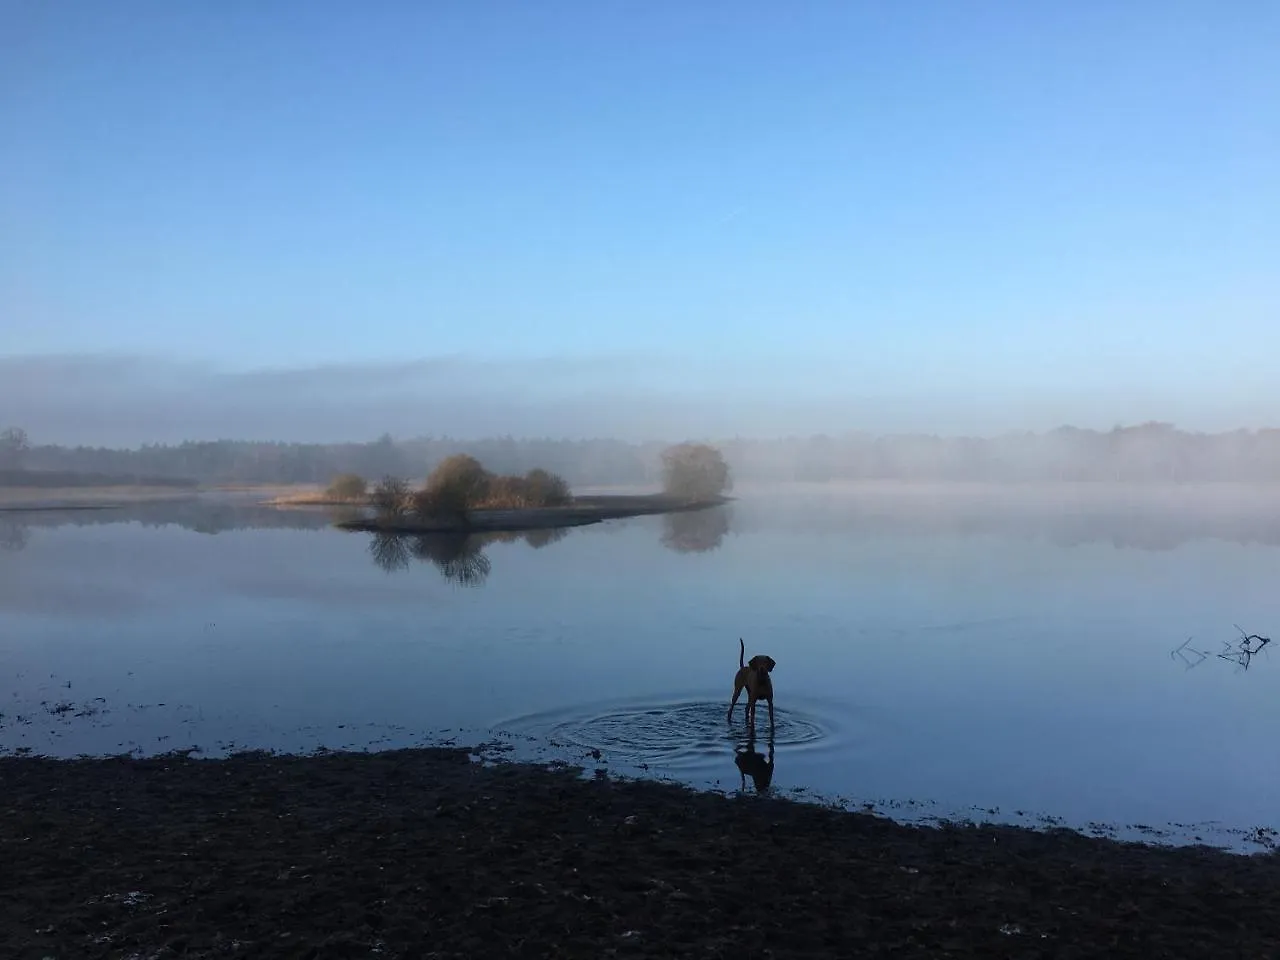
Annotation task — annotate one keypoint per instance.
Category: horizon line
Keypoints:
(1165, 426)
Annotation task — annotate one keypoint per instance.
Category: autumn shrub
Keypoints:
(347, 486)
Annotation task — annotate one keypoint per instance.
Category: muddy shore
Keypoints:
(425, 853)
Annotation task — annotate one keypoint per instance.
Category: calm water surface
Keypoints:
(939, 652)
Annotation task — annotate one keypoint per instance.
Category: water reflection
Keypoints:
(459, 557)
(695, 531)
(1125, 518)
(13, 535)
(390, 552)
(751, 763)
(207, 515)
(544, 538)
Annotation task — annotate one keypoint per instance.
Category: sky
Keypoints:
(638, 220)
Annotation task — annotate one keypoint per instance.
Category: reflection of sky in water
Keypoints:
(954, 658)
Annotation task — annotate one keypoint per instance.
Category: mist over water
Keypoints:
(952, 650)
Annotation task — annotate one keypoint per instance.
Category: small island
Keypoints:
(461, 495)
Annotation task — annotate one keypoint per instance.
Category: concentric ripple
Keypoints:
(676, 735)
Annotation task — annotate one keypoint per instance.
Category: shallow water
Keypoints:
(972, 650)
(679, 735)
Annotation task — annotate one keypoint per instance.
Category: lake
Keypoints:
(1015, 654)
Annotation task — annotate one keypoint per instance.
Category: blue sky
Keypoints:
(937, 215)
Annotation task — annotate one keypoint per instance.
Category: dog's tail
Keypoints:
(742, 654)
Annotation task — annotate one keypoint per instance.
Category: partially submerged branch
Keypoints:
(1244, 650)
(1240, 652)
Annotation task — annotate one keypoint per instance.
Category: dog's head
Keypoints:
(762, 663)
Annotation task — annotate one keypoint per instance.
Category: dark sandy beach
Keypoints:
(426, 853)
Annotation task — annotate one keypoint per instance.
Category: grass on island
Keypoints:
(316, 498)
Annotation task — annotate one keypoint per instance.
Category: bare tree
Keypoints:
(391, 497)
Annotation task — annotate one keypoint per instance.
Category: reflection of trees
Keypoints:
(389, 551)
(14, 535)
(695, 531)
(459, 557)
(544, 538)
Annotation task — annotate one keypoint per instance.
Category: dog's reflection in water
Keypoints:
(751, 763)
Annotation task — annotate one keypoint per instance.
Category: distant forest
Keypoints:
(1151, 451)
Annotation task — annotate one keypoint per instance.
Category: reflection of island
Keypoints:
(696, 532)
(1146, 520)
(751, 763)
(459, 557)
(208, 515)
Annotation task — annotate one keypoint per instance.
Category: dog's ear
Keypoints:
(771, 663)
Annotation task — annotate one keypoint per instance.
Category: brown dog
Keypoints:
(753, 676)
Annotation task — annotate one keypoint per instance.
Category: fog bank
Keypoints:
(127, 401)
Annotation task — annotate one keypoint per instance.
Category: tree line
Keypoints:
(582, 462)
(1147, 452)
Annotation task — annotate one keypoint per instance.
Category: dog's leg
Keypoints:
(737, 692)
(770, 702)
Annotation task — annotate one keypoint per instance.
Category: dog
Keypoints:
(753, 764)
(754, 677)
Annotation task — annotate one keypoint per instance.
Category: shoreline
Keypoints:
(583, 511)
(351, 853)
(29, 499)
